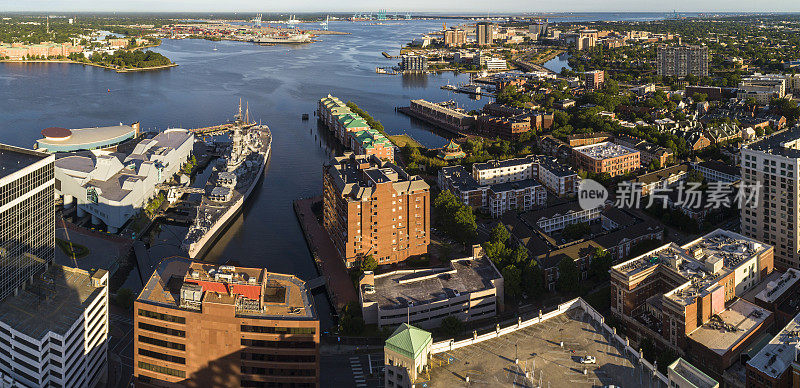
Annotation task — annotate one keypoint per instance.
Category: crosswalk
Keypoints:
(358, 372)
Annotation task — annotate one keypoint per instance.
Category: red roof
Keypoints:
(56, 133)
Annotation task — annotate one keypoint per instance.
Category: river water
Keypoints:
(279, 82)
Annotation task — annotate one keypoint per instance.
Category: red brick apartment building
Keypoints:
(375, 208)
(687, 298)
(607, 157)
(594, 79)
(207, 325)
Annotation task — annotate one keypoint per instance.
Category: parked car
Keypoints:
(588, 360)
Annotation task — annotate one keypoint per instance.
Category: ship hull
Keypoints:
(197, 250)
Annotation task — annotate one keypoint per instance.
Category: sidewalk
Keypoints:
(325, 255)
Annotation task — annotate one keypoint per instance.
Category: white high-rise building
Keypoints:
(770, 170)
(53, 319)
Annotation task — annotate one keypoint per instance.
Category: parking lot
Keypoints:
(542, 360)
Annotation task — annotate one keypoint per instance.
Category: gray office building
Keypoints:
(27, 216)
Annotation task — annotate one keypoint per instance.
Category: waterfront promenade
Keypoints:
(325, 255)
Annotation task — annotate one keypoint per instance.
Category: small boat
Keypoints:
(215, 48)
(305, 116)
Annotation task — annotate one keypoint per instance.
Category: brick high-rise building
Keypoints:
(771, 172)
(375, 208)
(484, 33)
(204, 325)
(594, 79)
(680, 61)
(607, 157)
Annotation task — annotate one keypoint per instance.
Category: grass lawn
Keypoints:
(402, 140)
(71, 249)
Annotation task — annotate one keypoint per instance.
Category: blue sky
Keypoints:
(454, 6)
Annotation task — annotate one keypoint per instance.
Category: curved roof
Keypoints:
(84, 138)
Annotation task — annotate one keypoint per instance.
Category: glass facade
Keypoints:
(27, 227)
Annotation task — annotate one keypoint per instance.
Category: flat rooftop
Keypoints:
(399, 288)
(491, 363)
(99, 136)
(735, 323)
(695, 376)
(55, 301)
(779, 353)
(357, 175)
(775, 288)
(604, 150)
(701, 262)
(255, 292)
(785, 143)
(13, 159)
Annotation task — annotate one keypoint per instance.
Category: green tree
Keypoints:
(568, 276)
(452, 326)
(500, 233)
(520, 255)
(512, 280)
(368, 263)
(533, 279)
(600, 264)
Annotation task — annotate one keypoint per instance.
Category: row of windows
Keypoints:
(162, 330)
(162, 369)
(162, 343)
(278, 371)
(278, 330)
(162, 317)
(277, 357)
(162, 356)
(279, 344)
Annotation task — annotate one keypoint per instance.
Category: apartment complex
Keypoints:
(687, 297)
(522, 194)
(20, 51)
(203, 325)
(770, 171)
(762, 87)
(680, 61)
(375, 208)
(53, 319)
(661, 179)
(112, 188)
(594, 79)
(455, 37)
(556, 177)
(607, 158)
(470, 289)
(414, 63)
(484, 33)
(514, 184)
(352, 130)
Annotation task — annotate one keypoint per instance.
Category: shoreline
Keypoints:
(69, 61)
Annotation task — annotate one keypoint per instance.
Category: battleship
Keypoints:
(282, 38)
(232, 181)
